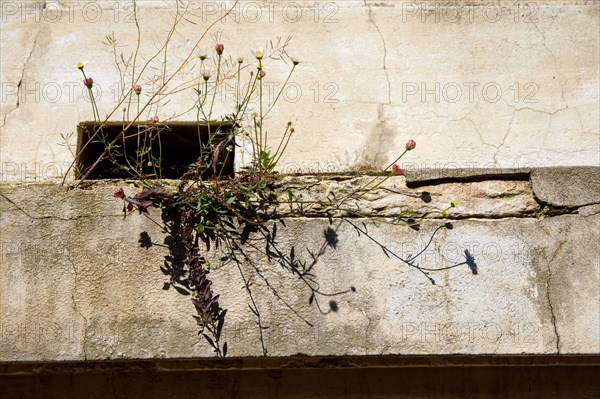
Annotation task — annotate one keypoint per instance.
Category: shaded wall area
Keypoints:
(305, 377)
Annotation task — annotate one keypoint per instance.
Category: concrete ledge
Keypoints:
(76, 285)
(567, 187)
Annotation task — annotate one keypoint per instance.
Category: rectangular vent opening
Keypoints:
(176, 145)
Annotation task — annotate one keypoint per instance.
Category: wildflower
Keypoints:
(258, 53)
(261, 74)
(88, 82)
(205, 74)
(259, 65)
(154, 119)
(219, 48)
(137, 89)
(240, 60)
(120, 193)
(397, 170)
(202, 57)
(295, 60)
(410, 145)
(80, 64)
(454, 203)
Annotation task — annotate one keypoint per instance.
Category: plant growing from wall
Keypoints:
(209, 209)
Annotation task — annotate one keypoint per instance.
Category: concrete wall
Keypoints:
(491, 92)
(488, 84)
(76, 285)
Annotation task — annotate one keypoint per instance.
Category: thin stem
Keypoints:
(150, 101)
(216, 87)
(159, 152)
(363, 187)
(280, 91)
(199, 104)
(260, 95)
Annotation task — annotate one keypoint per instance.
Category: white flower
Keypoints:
(258, 53)
(80, 64)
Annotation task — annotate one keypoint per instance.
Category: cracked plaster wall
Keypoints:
(76, 285)
(507, 84)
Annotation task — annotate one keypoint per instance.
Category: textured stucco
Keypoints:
(76, 284)
(477, 84)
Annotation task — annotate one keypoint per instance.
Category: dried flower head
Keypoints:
(88, 82)
(120, 193)
(397, 170)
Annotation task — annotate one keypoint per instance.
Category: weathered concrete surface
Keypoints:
(321, 196)
(76, 285)
(515, 84)
(567, 187)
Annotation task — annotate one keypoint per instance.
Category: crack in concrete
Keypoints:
(18, 102)
(74, 303)
(549, 299)
(499, 147)
(475, 127)
(387, 77)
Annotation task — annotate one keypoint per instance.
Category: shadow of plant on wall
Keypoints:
(242, 243)
(208, 211)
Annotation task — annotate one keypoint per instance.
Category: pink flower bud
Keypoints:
(261, 74)
(410, 145)
(397, 170)
(154, 119)
(88, 82)
(137, 89)
(219, 48)
(119, 193)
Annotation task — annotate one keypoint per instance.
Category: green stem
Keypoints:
(260, 95)
(199, 104)
(237, 87)
(159, 152)
(138, 157)
(280, 91)
(216, 87)
(363, 187)
(224, 162)
(247, 99)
